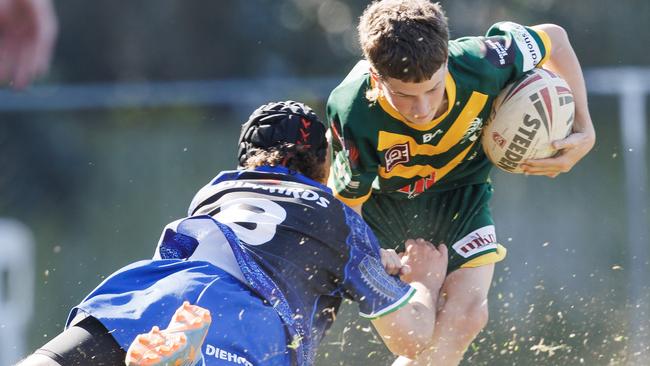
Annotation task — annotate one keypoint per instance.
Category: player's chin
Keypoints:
(419, 121)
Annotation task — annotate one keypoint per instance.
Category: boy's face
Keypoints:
(418, 103)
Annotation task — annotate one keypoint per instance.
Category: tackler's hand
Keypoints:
(392, 263)
(428, 264)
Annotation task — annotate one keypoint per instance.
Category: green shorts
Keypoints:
(460, 218)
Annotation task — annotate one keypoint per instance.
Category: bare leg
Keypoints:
(462, 314)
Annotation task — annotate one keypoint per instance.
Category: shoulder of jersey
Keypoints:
(351, 86)
(474, 63)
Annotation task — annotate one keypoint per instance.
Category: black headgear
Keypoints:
(277, 123)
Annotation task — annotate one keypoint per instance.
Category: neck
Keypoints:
(443, 106)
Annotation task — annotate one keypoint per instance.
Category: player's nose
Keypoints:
(420, 108)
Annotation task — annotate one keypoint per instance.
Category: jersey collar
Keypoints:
(278, 169)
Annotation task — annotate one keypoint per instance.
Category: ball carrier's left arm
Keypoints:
(564, 62)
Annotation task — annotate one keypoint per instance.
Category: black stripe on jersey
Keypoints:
(211, 205)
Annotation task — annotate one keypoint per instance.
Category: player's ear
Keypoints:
(374, 75)
(328, 159)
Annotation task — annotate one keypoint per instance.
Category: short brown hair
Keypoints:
(404, 39)
(292, 156)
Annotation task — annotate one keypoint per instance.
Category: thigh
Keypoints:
(245, 330)
(466, 288)
(147, 293)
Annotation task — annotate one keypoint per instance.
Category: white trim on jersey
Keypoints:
(213, 246)
(392, 307)
(527, 45)
(204, 193)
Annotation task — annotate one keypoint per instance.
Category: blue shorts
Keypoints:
(244, 330)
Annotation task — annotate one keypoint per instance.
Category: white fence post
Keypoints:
(16, 289)
(632, 86)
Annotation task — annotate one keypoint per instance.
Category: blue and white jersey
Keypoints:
(298, 248)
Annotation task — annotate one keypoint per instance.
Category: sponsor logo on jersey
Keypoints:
(339, 143)
(346, 158)
(353, 154)
(527, 45)
(497, 52)
(473, 130)
(354, 184)
(274, 188)
(430, 136)
(221, 354)
(341, 171)
(476, 242)
(397, 154)
(417, 188)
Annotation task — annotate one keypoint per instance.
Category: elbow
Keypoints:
(553, 30)
(558, 35)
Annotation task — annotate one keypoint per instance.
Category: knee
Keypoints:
(468, 318)
(479, 316)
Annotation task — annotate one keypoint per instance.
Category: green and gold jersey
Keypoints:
(376, 150)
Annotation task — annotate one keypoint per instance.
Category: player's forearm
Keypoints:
(453, 333)
(564, 62)
(409, 330)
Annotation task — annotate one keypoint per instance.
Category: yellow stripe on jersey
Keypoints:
(450, 139)
(424, 170)
(450, 89)
(488, 258)
(352, 201)
(546, 40)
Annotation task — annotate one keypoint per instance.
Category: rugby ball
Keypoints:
(526, 117)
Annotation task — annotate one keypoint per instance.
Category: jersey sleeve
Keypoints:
(513, 45)
(366, 281)
(354, 160)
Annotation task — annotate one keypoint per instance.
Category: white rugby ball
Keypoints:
(526, 117)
